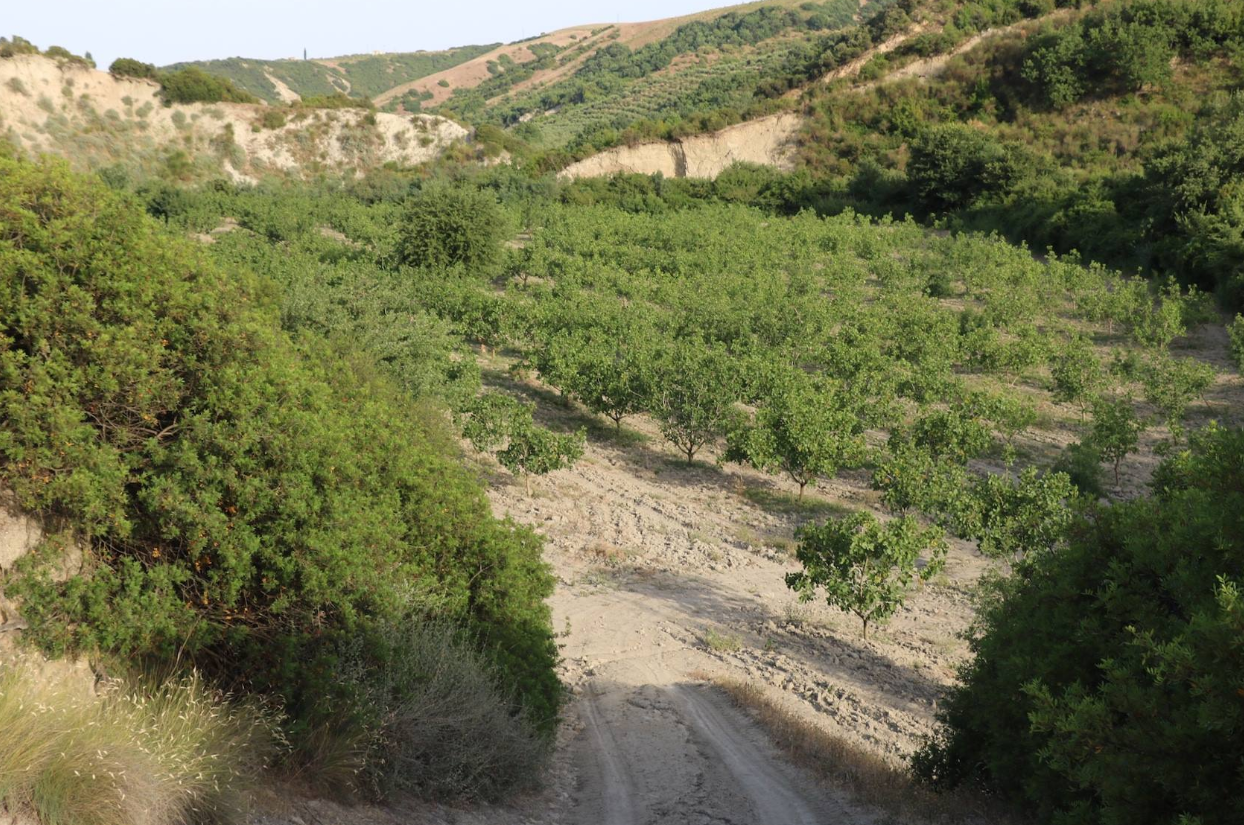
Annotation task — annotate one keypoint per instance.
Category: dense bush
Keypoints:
(250, 499)
(1105, 681)
(193, 85)
(128, 67)
(952, 166)
(449, 226)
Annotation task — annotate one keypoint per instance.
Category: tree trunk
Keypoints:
(802, 484)
(527, 483)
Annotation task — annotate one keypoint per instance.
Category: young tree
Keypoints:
(695, 391)
(1022, 516)
(801, 430)
(865, 567)
(1116, 431)
(958, 434)
(1236, 331)
(498, 423)
(1172, 383)
(534, 450)
(1077, 373)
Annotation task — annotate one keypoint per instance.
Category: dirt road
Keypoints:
(680, 754)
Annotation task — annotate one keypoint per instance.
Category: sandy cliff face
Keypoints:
(97, 120)
(768, 141)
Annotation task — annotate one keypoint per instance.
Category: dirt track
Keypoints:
(680, 754)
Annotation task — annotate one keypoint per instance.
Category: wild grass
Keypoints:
(439, 724)
(777, 501)
(722, 642)
(870, 778)
(126, 753)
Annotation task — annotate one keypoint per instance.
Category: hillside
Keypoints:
(361, 75)
(99, 122)
(754, 37)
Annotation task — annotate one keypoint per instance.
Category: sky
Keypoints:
(169, 32)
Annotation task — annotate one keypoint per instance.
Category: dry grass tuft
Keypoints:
(126, 754)
(870, 778)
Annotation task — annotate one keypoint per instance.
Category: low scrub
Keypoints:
(440, 724)
(127, 753)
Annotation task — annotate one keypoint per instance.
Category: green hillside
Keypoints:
(702, 65)
(356, 75)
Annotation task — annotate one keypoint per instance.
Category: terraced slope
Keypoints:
(362, 75)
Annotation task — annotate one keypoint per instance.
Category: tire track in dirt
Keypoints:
(680, 754)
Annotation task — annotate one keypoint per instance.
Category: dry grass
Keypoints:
(871, 779)
(124, 754)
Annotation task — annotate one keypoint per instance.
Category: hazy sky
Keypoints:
(168, 32)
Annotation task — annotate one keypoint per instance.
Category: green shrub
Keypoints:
(1081, 462)
(446, 226)
(128, 67)
(16, 46)
(954, 165)
(1236, 331)
(1105, 685)
(193, 85)
(335, 101)
(250, 499)
(272, 118)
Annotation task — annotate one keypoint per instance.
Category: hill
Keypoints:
(469, 78)
(99, 121)
(360, 75)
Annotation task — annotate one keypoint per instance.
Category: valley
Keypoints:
(793, 412)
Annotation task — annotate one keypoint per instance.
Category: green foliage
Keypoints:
(1022, 516)
(864, 566)
(1116, 430)
(1078, 374)
(12, 47)
(1081, 463)
(337, 100)
(697, 387)
(445, 226)
(802, 430)
(534, 450)
(953, 166)
(1104, 686)
(192, 85)
(272, 119)
(249, 498)
(1236, 331)
(129, 67)
(957, 434)
(609, 369)
(1171, 384)
(499, 423)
